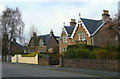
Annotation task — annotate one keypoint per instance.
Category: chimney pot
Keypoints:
(34, 34)
(73, 22)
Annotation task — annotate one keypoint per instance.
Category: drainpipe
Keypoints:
(92, 40)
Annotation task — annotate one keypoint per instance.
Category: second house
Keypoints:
(44, 43)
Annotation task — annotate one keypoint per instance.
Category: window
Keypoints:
(64, 49)
(40, 42)
(64, 39)
(116, 37)
(81, 35)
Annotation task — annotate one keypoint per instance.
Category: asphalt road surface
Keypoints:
(25, 70)
(18, 70)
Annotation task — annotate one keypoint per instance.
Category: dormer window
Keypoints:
(81, 36)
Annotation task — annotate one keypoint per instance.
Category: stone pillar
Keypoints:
(61, 61)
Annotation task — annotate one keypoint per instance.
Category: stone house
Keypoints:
(44, 43)
(88, 31)
(15, 47)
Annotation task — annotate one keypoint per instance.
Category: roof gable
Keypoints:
(69, 30)
(91, 25)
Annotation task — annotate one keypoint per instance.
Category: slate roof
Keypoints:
(69, 29)
(45, 38)
(17, 45)
(91, 25)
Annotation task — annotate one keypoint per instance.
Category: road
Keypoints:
(27, 70)
(22, 70)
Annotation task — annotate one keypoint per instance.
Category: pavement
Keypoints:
(83, 72)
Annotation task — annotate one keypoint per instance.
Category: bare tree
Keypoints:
(11, 24)
(32, 30)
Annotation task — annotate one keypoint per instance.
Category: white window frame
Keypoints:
(64, 39)
(64, 49)
(81, 36)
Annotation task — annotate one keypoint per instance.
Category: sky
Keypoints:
(45, 15)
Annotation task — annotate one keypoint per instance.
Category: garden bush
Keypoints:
(30, 54)
(102, 54)
(43, 55)
(92, 52)
(82, 53)
(70, 53)
(115, 55)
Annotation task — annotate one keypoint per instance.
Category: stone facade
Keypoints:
(87, 40)
(96, 32)
(71, 41)
(43, 61)
(52, 45)
(43, 43)
(105, 37)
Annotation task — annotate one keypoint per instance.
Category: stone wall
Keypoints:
(91, 63)
(43, 61)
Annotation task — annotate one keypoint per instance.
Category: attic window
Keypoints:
(81, 36)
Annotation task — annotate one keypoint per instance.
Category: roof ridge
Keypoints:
(69, 26)
(90, 19)
(43, 35)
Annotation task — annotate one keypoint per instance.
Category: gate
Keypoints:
(54, 59)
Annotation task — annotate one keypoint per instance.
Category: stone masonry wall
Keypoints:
(43, 61)
(91, 63)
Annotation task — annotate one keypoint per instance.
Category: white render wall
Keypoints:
(30, 60)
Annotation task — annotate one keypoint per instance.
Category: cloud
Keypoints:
(50, 14)
(2, 8)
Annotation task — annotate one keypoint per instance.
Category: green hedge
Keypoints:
(91, 52)
(30, 55)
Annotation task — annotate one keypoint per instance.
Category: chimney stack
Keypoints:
(51, 32)
(14, 40)
(105, 15)
(73, 22)
(34, 34)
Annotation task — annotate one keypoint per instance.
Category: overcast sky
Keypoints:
(46, 15)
